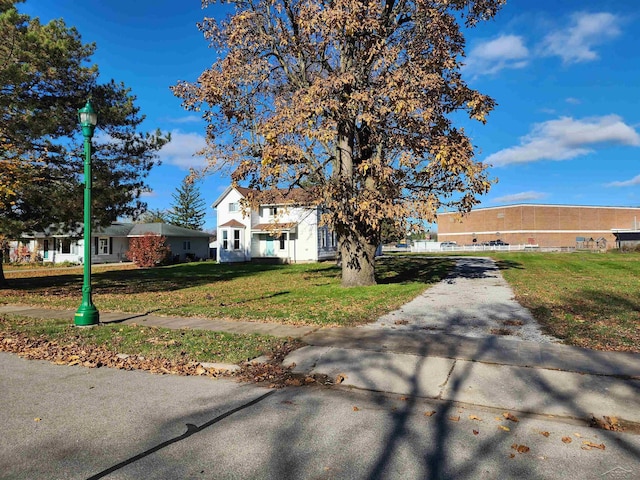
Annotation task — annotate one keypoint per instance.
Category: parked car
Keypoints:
(444, 245)
(497, 243)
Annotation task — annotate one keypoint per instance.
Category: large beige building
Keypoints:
(543, 225)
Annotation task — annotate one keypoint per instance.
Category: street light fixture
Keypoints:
(87, 314)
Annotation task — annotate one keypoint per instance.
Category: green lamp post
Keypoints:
(87, 313)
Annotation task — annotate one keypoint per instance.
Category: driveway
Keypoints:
(473, 301)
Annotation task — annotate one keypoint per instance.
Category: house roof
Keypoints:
(121, 229)
(233, 223)
(164, 229)
(279, 196)
(116, 229)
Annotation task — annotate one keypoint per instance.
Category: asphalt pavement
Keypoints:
(61, 422)
(439, 354)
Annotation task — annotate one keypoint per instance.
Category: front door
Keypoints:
(270, 252)
(45, 247)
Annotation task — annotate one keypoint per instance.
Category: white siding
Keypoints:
(232, 254)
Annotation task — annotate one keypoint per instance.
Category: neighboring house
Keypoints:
(546, 226)
(110, 244)
(286, 226)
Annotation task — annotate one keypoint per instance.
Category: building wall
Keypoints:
(543, 225)
(197, 247)
(231, 254)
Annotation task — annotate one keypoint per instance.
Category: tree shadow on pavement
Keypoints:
(300, 433)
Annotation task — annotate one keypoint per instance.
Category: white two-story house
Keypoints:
(285, 227)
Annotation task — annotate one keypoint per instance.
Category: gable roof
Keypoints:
(276, 196)
(233, 223)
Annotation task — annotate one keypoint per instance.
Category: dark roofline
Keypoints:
(542, 205)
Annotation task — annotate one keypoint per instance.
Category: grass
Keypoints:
(587, 299)
(149, 342)
(308, 294)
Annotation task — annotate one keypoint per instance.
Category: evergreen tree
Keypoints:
(188, 209)
(45, 76)
(154, 216)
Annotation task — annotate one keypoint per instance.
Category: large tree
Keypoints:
(45, 76)
(352, 96)
(188, 208)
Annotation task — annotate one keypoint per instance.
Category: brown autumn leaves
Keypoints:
(350, 97)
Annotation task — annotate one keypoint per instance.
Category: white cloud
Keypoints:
(506, 51)
(573, 100)
(566, 138)
(187, 119)
(625, 183)
(181, 150)
(148, 194)
(520, 197)
(576, 43)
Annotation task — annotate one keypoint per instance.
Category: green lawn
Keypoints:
(295, 294)
(588, 299)
(49, 338)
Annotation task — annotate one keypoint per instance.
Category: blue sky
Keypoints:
(565, 75)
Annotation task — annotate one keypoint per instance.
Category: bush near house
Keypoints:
(149, 250)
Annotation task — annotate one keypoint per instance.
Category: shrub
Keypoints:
(148, 250)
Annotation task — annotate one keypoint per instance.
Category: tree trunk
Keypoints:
(3, 281)
(358, 261)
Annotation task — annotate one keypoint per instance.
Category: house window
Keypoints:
(103, 246)
(225, 240)
(323, 237)
(283, 241)
(65, 246)
(236, 239)
(186, 245)
(234, 207)
(273, 211)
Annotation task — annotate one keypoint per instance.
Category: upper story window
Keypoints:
(273, 211)
(234, 207)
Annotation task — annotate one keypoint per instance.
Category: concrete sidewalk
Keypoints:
(148, 319)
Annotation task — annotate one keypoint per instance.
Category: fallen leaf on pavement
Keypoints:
(607, 423)
(502, 427)
(37, 419)
(340, 378)
(577, 435)
(429, 414)
(404, 399)
(510, 416)
(513, 455)
(201, 370)
(476, 432)
(566, 439)
(520, 448)
(498, 419)
(474, 417)
(545, 434)
(455, 418)
(355, 409)
(586, 445)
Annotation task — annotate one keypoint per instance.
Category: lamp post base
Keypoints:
(86, 315)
